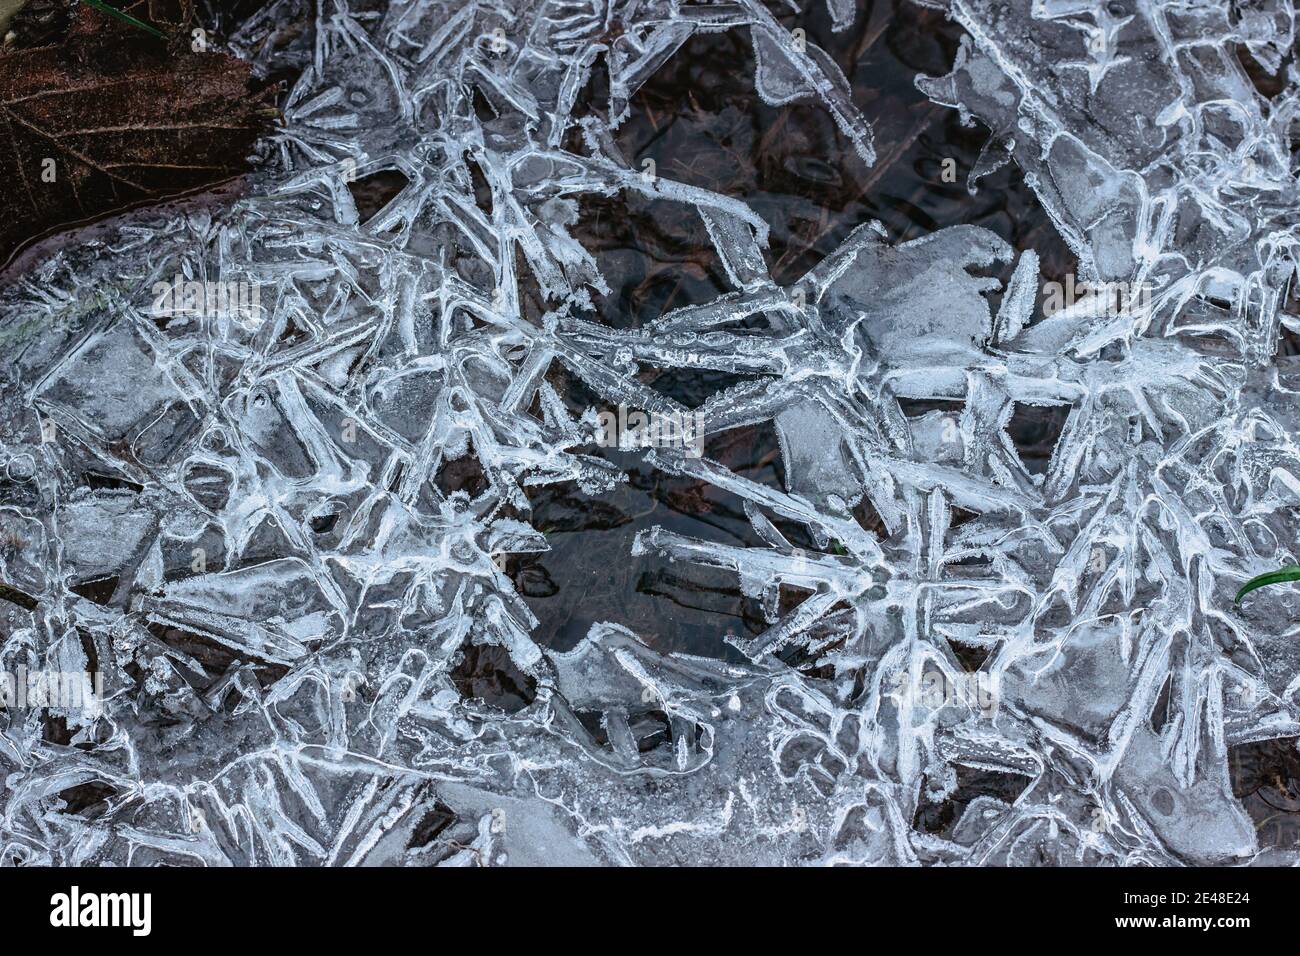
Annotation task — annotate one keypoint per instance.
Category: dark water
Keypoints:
(590, 574)
(701, 123)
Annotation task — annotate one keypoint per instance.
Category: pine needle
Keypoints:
(125, 18)
(1289, 573)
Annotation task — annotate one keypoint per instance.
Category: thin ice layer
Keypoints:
(246, 520)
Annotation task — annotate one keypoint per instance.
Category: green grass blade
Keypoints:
(126, 18)
(1290, 573)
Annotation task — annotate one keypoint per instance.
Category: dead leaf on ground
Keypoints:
(107, 118)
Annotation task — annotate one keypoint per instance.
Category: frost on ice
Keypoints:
(229, 513)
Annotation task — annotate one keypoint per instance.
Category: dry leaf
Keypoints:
(109, 118)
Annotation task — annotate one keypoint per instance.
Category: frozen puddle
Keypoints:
(264, 470)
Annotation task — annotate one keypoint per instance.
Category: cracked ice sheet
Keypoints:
(235, 520)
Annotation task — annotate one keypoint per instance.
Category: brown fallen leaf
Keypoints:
(108, 117)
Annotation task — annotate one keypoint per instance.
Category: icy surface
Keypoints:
(233, 516)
